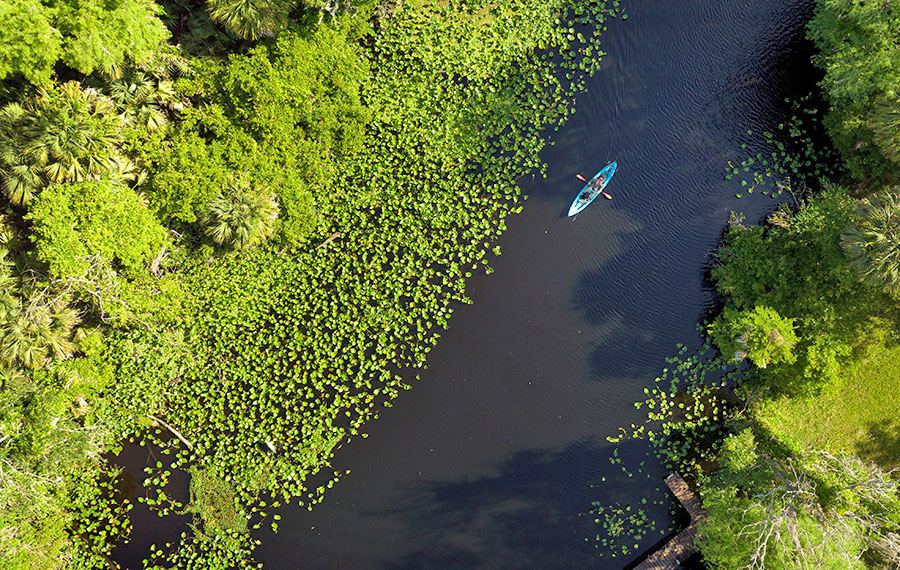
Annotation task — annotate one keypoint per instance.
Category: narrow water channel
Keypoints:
(490, 460)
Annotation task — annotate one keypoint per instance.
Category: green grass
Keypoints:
(862, 416)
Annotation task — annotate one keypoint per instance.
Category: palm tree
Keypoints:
(35, 329)
(74, 133)
(22, 179)
(251, 19)
(67, 134)
(9, 244)
(885, 125)
(872, 244)
(140, 99)
(242, 215)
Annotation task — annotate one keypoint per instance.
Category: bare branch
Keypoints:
(171, 429)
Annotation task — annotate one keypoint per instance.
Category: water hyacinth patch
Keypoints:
(796, 155)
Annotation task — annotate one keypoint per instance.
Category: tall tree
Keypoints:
(811, 512)
(254, 19)
(251, 19)
(37, 328)
(65, 134)
(885, 124)
(872, 244)
(760, 335)
(79, 225)
(242, 215)
(857, 43)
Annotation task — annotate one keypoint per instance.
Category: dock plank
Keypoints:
(681, 547)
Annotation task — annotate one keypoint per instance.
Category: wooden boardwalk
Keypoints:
(681, 547)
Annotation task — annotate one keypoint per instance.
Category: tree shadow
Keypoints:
(883, 444)
(532, 512)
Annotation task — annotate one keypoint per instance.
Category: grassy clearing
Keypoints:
(861, 416)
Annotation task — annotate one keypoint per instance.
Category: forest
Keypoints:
(232, 232)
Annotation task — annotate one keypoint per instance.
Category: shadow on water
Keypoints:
(517, 517)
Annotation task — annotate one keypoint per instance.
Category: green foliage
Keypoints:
(255, 19)
(793, 266)
(825, 356)
(32, 523)
(318, 333)
(815, 510)
(302, 85)
(796, 267)
(795, 157)
(856, 412)
(75, 224)
(145, 96)
(759, 334)
(263, 363)
(241, 216)
(284, 115)
(687, 412)
(769, 506)
(251, 19)
(885, 125)
(147, 363)
(100, 36)
(66, 134)
(187, 172)
(37, 323)
(855, 40)
(738, 453)
(624, 527)
(872, 243)
(214, 502)
(99, 514)
(36, 328)
(84, 35)
(54, 499)
(226, 550)
(31, 45)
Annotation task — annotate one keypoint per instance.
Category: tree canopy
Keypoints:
(85, 35)
(856, 41)
(78, 225)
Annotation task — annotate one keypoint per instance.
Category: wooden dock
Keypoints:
(681, 546)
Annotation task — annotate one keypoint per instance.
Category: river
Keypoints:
(488, 462)
(492, 460)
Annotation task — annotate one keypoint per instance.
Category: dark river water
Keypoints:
(493, 459)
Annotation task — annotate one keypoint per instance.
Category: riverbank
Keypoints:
(802, 475)
(219, 318)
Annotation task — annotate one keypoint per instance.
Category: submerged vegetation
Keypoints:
(237, 247)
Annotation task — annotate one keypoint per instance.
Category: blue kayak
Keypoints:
(588, 194)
